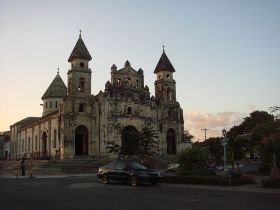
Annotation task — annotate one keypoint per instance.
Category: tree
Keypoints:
(187, 137)
(147, 145)
(192, 160)
(275, 109)
(273, 148)
(238, 142)
(256, 118)
(216, 149)
(238, 147)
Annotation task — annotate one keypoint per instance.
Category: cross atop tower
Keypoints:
(80, 33)
(57, 70)
(163, 48)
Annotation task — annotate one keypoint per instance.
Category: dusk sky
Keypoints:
(226, 53)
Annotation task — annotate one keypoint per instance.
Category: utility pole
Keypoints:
(205, 131)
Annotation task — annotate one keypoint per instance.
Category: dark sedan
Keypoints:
(128, 171)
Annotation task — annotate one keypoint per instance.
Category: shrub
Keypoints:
(208, 180)
(271, 183)
(193, 159)
(199, 172)
(264, 167)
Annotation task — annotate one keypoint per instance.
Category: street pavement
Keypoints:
(84, 191)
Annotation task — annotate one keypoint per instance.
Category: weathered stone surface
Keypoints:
(83, 124)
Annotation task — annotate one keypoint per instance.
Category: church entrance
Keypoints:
(44, 145)
(171, 141)
(129, 140)
(81, 140)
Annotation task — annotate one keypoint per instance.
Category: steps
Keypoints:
(73, 166)
(53, 167)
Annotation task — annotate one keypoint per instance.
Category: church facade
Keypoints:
(77, 123)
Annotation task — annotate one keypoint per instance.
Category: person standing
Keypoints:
(22, 166)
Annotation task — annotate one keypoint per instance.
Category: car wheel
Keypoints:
(105, 179)
(133, 181)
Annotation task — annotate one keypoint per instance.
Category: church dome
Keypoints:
(57, 89)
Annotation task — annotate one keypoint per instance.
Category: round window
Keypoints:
(82, 64)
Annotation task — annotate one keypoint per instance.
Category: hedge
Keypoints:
(209, 180)
(271, 183)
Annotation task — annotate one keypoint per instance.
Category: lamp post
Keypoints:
(224, 143)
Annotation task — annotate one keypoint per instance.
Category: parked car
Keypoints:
(173, 167)
(128, 171)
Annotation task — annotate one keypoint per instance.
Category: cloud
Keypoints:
(215, 122)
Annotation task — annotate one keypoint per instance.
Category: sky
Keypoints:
(225, 53)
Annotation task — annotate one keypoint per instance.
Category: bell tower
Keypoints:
(79, 76)
(165, 85)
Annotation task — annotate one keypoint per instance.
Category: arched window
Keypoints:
(55, 104)
(167, 76)
(81, 85)
(28, 144)
(51, 105)
(137, 84)
(119, 82)
(128, 80)
(159, 76)
(36, 142)
(171, 141)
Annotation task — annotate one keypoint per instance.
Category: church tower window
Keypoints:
(56, 104)
(169, 94)
(82, 65)
(119, 82)
(137, 84)
(129, 110)
(81, 85)
(51, 105)
(82, 107)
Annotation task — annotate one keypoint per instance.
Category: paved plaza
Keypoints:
(86, 192)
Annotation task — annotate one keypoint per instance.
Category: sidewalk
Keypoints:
(54, 176)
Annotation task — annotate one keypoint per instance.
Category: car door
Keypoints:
(121, 171)
(110, 170)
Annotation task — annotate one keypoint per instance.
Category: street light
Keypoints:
(224, 143)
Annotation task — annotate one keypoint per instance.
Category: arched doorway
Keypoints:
(129, 140)
(171, 141)
(44, 145)
(81, 140)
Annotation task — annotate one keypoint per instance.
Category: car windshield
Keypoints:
(135, 165)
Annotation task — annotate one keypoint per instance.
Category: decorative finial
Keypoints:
(80, 33)
(163, 48)
(57, 70)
